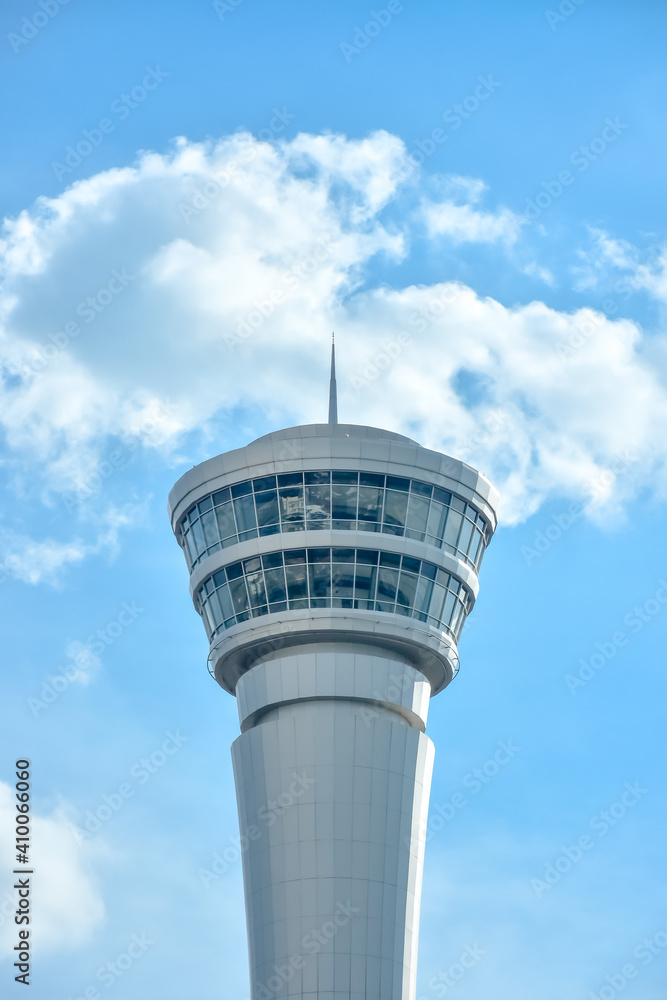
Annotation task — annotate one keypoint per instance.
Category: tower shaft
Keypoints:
(333, 777)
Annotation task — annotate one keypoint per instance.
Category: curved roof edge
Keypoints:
(358, 431)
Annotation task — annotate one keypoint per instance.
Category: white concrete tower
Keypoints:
(333, 566)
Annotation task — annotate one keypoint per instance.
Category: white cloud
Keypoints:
(67, 907)
(535, 270)
(210, 278)
(634, 269)
(32, 561)
(462, 222)
(86, 663)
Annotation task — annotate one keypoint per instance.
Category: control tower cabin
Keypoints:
(333, 566)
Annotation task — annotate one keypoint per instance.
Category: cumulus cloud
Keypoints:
(632, 269)
(535, 270)
(67, 907)
(145, 300)
(457, 217)
(33, 561)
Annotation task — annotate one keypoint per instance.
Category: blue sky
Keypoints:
(528, 341)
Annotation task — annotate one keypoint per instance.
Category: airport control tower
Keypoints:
(333, 566)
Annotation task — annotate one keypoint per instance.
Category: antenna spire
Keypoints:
(333, 391)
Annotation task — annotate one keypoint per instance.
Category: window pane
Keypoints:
(342, 580)
(198, 535)
(190, 542)
(272, 559)
(370, 503)
(241, 489)
(244, 508)
(318, 502)
(234, 571)
(313, 478)
(265, 483)
(464, 537)
(319, 555)
(417, 513)
(275, 585)
(297, 586)
(364, 585)
(291, 504)
(436, 519)
(452, 527)
(343, 555)
(398, 483)
(345, 477)
(344, 502)
(476, 545)
(210, 618)
(458, 619)
(395, 508)
(216, 611)
(226, 603)
(371, 479)
(437, 597)
(267, 507)
(390, 559)
(407, 587)
(210, 527)
(256, 590)
(423, 597)
(226, 523)
(295, 556)
(387, 584)
(320, 579)
(423, 489)
(239, 595)
(448, 608)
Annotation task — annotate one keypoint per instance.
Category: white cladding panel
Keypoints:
(334, 670)
(331, 801)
